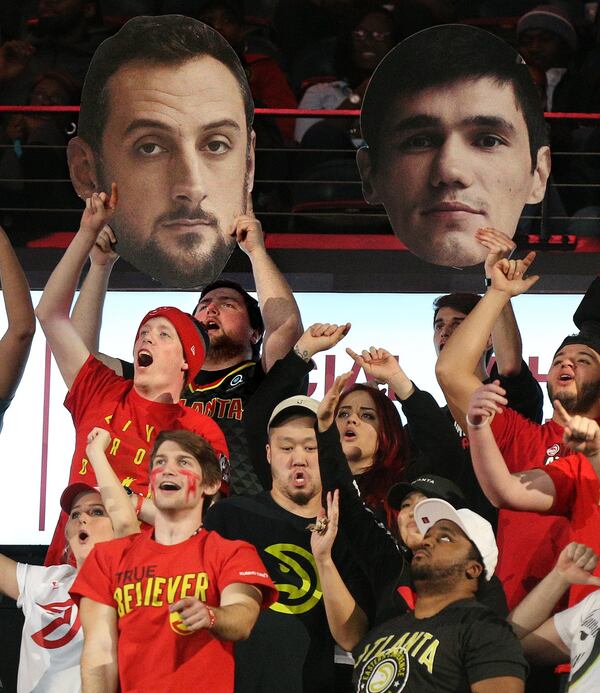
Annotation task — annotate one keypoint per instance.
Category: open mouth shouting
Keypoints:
(210, 325)
(82, 536)
(299, 478)
(144, 358)
(565, 378)
(169, 486)
(350, 434)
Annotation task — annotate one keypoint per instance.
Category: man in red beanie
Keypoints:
(168, 352)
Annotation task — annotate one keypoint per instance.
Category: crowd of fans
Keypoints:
(221, 529)
(344, 531)
(296, 53)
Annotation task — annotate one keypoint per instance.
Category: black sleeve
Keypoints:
(353, 576)
(491, 650)
(285, 378)
(373, 547)
(128, 369)
(215, 520)
(491, 594)
(441, 452)
(523, 392)
(434, 437)
(589, 308)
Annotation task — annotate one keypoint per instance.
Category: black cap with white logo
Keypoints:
(429, 485)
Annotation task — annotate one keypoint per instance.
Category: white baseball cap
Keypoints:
(429, 511)
(299, 402)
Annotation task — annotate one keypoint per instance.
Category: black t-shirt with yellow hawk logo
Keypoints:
(446, 653)
(290, 649)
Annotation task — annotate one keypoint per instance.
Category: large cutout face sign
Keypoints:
(166, 113)
(456, 141)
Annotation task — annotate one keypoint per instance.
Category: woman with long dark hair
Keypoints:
(374, 443)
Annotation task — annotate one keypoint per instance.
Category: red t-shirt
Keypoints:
(99, 397)
(140, 578)
(529, 543)
(271, 89)
(577, 498)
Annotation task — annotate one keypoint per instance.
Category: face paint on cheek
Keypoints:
(153, 474)
(193, 480)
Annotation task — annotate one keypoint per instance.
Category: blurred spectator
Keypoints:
(268, 83)
(441, 11)
(549, 44)
(36, 151)
(360, 49)
(547, 40)
(11, 17)
(121, 9)
(300, 24)
(64, 37)
(583, 202)
(365, 38)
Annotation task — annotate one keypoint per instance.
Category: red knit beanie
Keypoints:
(192, 335)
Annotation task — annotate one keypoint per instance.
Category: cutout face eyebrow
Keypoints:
(151, 123)
(421, 121)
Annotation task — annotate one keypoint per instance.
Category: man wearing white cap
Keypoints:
(291, 649)
(450, 642)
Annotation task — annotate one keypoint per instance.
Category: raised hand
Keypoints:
(99, 209)
(324, 531)
(247, 230)
(14, 58)
(377, 363)
(499, 246)
(576, 564)
(509, 275)
(326, 410)
(97, 441)
(320, 337)
(486, 401)
(581, 434)
(103, 253)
